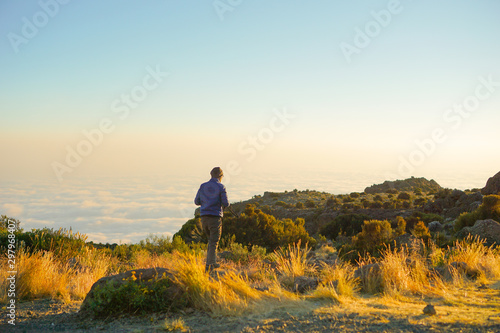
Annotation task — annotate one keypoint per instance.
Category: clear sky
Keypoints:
(177, 87)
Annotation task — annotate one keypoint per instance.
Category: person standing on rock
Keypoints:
(212, 197)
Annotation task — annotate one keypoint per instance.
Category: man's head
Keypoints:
(216, 173)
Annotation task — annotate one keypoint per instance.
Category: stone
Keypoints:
(435, 226)
(148, 276)
(407, 241)
(492, 185)
(430, 310)
(489, 230)
(301, 284)
(462, 268)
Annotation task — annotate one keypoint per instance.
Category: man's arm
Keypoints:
(197, 199)
(223, 197)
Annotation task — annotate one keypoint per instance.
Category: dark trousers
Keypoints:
(212, 227)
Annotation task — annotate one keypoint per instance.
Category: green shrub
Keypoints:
(63, 243)
(420, 201)
(489, 209)
(347, 199)
(373, 236)
(310, 204)
(404, 196)
(281, 203)
(420, 216)
(376, 205)
(348, 224)
(378, 197)
(389, 205)
(401, 226)
(255, 227)
(421, 231)
(354, 195)
(299, 205)
(135, 297)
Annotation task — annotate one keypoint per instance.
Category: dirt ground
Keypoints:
(470, 310)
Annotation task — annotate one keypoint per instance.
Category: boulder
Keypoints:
(492, 185)
(488, 230)
(435, 226)
(110, 295)
(407, 241)
(430, 310)
(302, 284)
(447, 272)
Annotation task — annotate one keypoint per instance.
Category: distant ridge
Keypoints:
(409, 184)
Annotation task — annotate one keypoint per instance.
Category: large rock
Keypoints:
(409, 184)
(113, 294)
(485, 229)
(492, 185)
(435, 226)
(301, 284)
(407, 241)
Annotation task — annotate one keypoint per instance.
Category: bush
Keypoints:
(376, 205)
(378, 198)
(310, 204)
(404, 196)
(389, 205)
(135, 297)
(420, 216)
(420, 201)
(348, 224)
(255, 227)
(347, 199)
(354, 195)
(401, 226)
(421, 231)
(299, 205)
(489, 209)
(282, 204)
(62, 242)
(373, 236)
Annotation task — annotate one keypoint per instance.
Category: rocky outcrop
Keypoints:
(409, 184)
(488, 230)
(492, 185)
(451, 203)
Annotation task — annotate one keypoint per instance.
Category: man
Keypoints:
(212, 198)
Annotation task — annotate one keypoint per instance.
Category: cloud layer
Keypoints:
(126, 210)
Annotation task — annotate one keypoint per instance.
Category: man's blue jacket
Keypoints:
(212, 197)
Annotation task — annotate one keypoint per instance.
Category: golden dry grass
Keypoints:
(40, 274)
(406, 281)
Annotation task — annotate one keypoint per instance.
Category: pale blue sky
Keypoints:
(227, 76)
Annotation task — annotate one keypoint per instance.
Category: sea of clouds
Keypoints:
(126, 210)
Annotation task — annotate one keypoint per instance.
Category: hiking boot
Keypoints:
(211, 267)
